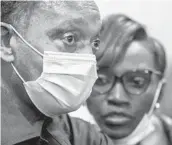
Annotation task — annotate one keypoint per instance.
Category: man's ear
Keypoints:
(5, 50)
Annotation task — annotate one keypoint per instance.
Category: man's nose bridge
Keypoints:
(85, 48)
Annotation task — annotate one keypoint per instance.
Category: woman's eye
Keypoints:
(138, 81)
(102, 80)
(95, 44)
(69, 39)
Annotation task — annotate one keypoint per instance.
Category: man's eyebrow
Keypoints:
(53, 33)
(66, 25)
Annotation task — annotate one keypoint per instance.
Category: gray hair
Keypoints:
(18, 13)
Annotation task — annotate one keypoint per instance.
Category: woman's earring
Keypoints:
(157, 106)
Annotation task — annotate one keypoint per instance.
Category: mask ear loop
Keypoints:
(156, 96)
(18, 73)
(11, 29)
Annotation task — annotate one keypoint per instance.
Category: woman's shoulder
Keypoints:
(166, 123)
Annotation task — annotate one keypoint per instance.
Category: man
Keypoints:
(127, 94)
(30, 30)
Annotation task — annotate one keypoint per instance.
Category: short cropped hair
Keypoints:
(18, 13)
(118, 31)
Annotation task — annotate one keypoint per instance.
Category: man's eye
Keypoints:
(69, 38)
(95, 44)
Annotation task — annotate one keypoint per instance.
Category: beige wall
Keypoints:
(156, 15)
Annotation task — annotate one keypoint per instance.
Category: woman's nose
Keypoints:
(117, 95)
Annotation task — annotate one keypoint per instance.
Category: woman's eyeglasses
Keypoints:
(134, 82)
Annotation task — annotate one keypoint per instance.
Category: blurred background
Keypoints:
(156, 15)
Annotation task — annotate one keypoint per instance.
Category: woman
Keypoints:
(124, 100)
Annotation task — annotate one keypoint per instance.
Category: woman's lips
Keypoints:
(115, 118)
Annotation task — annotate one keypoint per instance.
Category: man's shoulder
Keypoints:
(77, 131)
(72, 127)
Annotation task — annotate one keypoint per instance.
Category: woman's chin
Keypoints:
(117, 132)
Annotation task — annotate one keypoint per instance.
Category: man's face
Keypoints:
(119, 110)
(59, 29)
(64, 29)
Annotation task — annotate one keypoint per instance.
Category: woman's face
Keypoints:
(124, 93)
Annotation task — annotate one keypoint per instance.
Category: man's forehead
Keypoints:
(67, 19)
(60, 5)
(70, 9)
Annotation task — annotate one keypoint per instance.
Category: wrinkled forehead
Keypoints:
(78, 13)
(63, 7)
